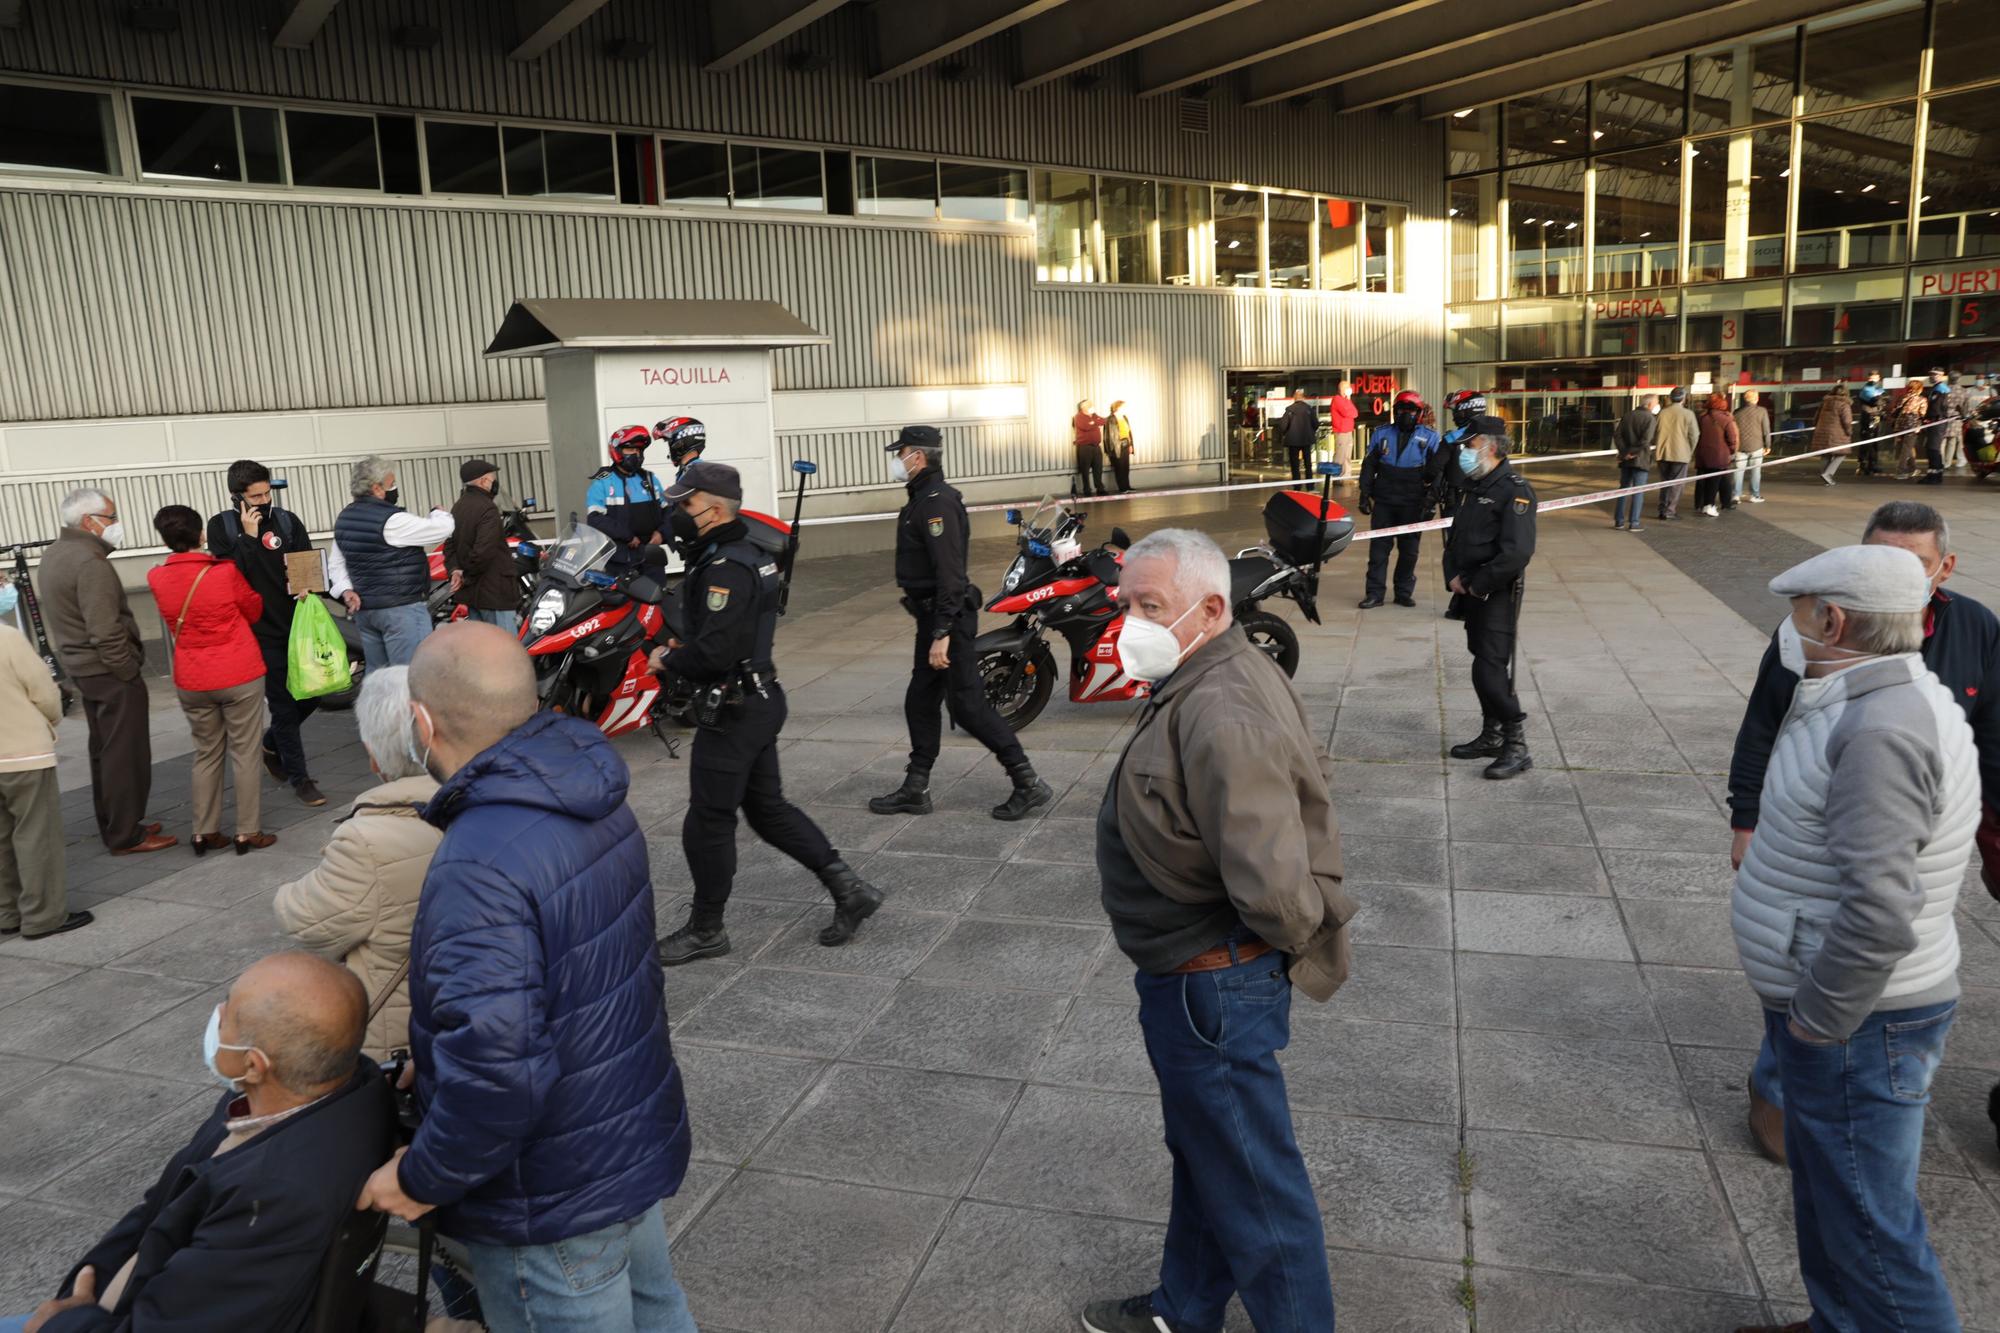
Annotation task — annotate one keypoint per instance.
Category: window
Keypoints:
(638, 170)
(895, 187)
(559, 164)
(1960, 205)
(1637, 241)
(693, 171)
(186, 140)
(1736, 205)
(1382, 224)
(1745, 83)
(1291, 240)
(57, 130)
(1854, 181)
(1867, 56)
(263, 154)
(1721, 319)
(1542, 330)
(1184, 234)
(1636, 325)
(1472, 140)
(1545, 229)
(1065, 221)
(1640, 107)
(1239, 218)
(1847, 308)
(1129, 215)
(969, 192)
(463, 159)
(1472, 333)
(777, 177)
(1960, 300)
(1473, 226)
(1968, 42)
(1551, 124)
(333, 151)
(1339, 245)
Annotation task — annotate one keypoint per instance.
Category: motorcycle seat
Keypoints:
(1246, 572)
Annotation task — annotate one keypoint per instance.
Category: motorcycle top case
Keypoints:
(1292, 520)
(767, 534)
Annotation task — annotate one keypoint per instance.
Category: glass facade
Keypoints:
(1795, 207)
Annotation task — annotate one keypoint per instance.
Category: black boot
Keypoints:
(1513, 751)
(1483, 746)
(912, 798)
(691, 942)
(854, 901)
(1030, 794)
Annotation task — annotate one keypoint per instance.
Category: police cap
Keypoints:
(718, 479)
(915, 437)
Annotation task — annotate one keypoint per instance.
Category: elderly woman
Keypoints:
(1714, 455)
(358, 903)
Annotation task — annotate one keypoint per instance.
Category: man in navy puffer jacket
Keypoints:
(554, 1121)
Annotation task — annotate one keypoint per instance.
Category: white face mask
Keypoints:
(1792, 648)
(1148, 650)
(898, 470)
(113, 534)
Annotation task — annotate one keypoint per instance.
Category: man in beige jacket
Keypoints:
(31, 836)
(1219, 860)
(1673, 446)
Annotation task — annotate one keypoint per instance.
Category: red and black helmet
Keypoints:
(1411, 399)
(629, 437)
(1464, 405)
(683, 436)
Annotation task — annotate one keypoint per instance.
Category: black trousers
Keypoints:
(1490, 634)
(1297, 457)
(1390, 516)
(1865, 429)
(282, 736)
(121, 755)
(1711, 491)
(734, 766)
(1933, 438)
(1090, 470)
(959, 688)
(1121, 469)
(1670, 496)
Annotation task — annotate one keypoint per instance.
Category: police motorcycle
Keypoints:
(1057, 586)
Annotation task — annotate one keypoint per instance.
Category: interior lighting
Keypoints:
(1558, 141)
(1527, 222)
(1452, 214)
(1597, 134)
(1461, 115)
(1570, 227)
(1234, 244)
(1550, 223)
(1866, 188)
(1786, 172)
(1644, 234)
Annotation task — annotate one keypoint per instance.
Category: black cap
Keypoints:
(915, 437)
(1492, 426)
(715, 478)
(474, 469)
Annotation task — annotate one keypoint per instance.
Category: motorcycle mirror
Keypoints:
(1013, 518)
(527, 502)
(803, 467)
(279, 483)
(1329, 469)
(1119, 539)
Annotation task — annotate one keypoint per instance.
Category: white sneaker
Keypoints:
(1711, 511)
(1756, 499)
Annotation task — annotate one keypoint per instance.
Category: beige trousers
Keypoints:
(227, 724)
(31, 851)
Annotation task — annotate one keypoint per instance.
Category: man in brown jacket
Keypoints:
(31, 835)
(1219, 860)
(482, 568)
(98, 642)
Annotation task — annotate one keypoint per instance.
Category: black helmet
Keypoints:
(683, 436)
(1464, 405)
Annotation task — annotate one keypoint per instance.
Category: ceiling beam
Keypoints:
(1084, 32)
(1385, 46)
(543, 23)
(299, 21)
(1261, 32)
(910, 34)
(1533, 62)
(742, 28)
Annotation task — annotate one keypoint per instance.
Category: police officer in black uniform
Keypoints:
(730, 602)
(931, 539)
(1492, 539)
(1399, 484)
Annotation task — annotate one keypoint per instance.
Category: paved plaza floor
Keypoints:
(1527, 1103)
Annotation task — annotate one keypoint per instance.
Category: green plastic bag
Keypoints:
(316, 657)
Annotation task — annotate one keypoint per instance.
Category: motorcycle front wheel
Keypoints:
(1018, 701)
(1273, 637)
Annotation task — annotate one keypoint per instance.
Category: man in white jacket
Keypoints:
(1843, 919)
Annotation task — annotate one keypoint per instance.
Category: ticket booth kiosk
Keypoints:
(612, 363)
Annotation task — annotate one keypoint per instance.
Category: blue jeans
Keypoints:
(610, 1281)
(507, 620)
(1627, 508)
(1854, 1130)
(13, 1323)
(390, 634)
(1754, 465)
(1244, 1218)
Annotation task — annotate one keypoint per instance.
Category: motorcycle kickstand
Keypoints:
(672, 743)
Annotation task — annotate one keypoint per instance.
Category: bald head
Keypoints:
(308, 1016)
(474, 683)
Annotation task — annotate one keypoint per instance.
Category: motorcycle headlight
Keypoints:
(548, 609)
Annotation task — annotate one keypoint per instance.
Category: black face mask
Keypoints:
(389, 496)
(1405, 419)
(629, 464)
(686, 533)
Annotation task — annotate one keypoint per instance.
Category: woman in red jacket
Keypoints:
(219, 674)
(1714, 451)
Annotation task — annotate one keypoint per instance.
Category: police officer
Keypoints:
(1465, 406)
(626, 501)
(931, 539)
(730, 604)
(1399, 481)
(1492, 539)
(685, 439)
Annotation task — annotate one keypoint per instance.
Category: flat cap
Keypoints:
(1859, 578)
(718, 479)
(915, 437)
(475, 468)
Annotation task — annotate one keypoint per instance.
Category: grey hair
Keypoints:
(1884, 633)
(1912, 518)
(369, 473)
(1502, 446)
(382, 712)
(1200, 567)
(80, 504)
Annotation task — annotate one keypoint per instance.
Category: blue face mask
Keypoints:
(211, 1042)
(1468, 460)
(9, 595)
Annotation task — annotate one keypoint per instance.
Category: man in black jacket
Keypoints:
(1633, 439)
(1400, 480)
(1299, 429)
(477, 554)
(258, 535)
(1962, 645)
(234, 1232)
(1492, 539)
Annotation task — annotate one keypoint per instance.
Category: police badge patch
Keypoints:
(937, 527)
(1521, 503)
(718, 598)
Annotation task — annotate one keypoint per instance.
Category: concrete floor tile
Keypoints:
(167, 1045)
(1465, 780)
(973, 836)
(1401, 914)
(22, 977)
(1014, 954)
(1064, 841)
(44, 1242)
(1510, 867)
(222, 881)
(1622, 1091)
(1673, 876)
(1658, 830)
(1572, 997)
(1653, 791)
(965, 1030)
(1552, 925)
(889, 944)
(1397, 984)
(780, 1252)
(795, 1013)
(1100, 1046)
(1420, 781)
(1696, 934)
(1361, 717)
(703, 1181)
(121, 926)
(1044, 891)
(111, 1180)
(1495, 822)
(1392, 816)
(1399, 1071)
(1602, 1209)
(1706, 1006)
(927, 883)
(212, 950)
(1004, 1270)
(73, 1017)
(1520, 1302)
(905, 1129)
(1975, 1034)
(1389, 747)
(736, 1097)
(1095, 1152)
(1386, 1185)
(1370, 859)
(71, 1114)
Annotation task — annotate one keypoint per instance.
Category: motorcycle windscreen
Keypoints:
(582, 548)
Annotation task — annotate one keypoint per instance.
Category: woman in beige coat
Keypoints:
(357, 905)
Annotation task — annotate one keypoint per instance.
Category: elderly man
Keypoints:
(1492, 539)
(1843, 913)
(235, 1231)
(1753, 441)
(1634, 440)
(481, 563)
(32, 900)
(1673, 445)
(379, 567)
(1961, 644)
(1220, 866)
(97, 639)
(554, 1121)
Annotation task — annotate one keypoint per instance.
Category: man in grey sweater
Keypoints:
(1843, 920)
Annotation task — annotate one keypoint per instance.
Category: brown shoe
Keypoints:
(152, 842)
(246, 841)
(154, 827)
(1767, 1127)
(203, 843)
